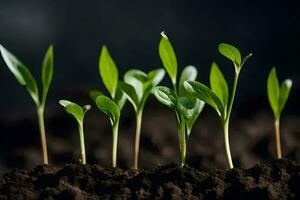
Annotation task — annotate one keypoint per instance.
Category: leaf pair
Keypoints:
(137, 86)
(110, 76)
(233, 54)
(75, 110)
(186, 106)
(24, 76)
(277, 95)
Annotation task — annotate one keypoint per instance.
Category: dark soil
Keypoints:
(278, 179)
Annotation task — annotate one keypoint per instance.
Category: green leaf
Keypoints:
(13, 64)
(273, 91)
(74, 109)
(218, 84)
(185, 106)
(166, 96)
(47, 72)
(203, 93)
(156, 76)
(130, 93)
(168, 57)
(285, 89)
(189, 73)
(109, 107)
(94, 94)
(232, 53)
(136, 78)
(22, 74)
(108, 71)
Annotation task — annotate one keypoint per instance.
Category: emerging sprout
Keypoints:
(217, 96)
(137, 87)
(278, 96)
(186, 107)
(110, 106)
(25, 78)
(78, 113)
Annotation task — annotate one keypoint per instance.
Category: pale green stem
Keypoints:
(115, 130)
(82, 144)
(137, 137)
(277, 138)
(40, 115)
(226, 122)
(182, 141)
(227, 145)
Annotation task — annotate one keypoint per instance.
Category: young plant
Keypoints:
(78, 113)
(218, 96)
(186, 107)
(25, 78)
(110, 106)
(137, 87)
(278, 96)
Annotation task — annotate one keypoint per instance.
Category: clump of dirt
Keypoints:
(278, 179)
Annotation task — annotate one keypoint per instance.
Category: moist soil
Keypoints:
(279, 179)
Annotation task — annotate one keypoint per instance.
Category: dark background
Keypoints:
(131, 29)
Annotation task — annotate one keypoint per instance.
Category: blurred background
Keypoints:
(131, 30)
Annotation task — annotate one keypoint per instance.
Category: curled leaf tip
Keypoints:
(87, 107)
(288, 82)
(163, 34)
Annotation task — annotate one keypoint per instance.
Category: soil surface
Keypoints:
(279, 179)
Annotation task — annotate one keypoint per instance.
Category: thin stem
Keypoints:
(40, 115)
(115, 130)
(226, 122)
(236, 77)
(182, 141)
(277, 139)
(137, 138)
(82, 145)
(175, 88)
(227, 146)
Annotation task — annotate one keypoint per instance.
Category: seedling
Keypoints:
(278, 96)
(217, 97)
(138, 86)
(78, 113)
(110, 106)
(25, 78)
(186, 107)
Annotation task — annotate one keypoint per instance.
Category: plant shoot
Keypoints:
(25, 78)
(278, 95)
(218, 95)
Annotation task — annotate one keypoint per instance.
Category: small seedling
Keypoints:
(217, 96)
(25, 78)
(78, 113)
(186, 107)
(138, 86)
(278, 96)
(110, 106)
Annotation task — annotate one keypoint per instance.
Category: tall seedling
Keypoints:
(186, 107)
(78, 113)
(25, 78)
(278, 95)
(138, 86)
(218, 96)
(112, 105)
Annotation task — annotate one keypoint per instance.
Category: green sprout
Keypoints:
(78, 113)
(25, 78)
(186, 107)
(278, 96)
(218, 96)
(137, 87)
(110, 106)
